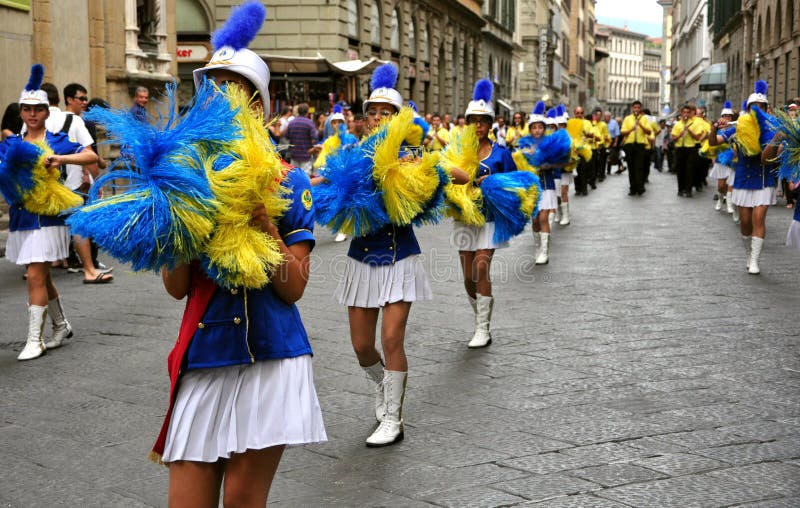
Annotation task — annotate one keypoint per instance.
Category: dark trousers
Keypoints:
(659, 153)
(648, 157)
(599, 155)
(700, 171)
(582, 176)
(635, 153)
(684, 164)
(591, 170)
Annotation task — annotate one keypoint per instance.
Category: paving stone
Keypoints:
(779, 478)
(474, 497)
(575, 501)
(754, 452)
(612, 475)
(546, 486)
(679, 464)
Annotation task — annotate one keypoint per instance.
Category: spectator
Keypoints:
(500, 129)
(278, 130)
(359, 128)
(79, 179)
(439, 134)
(140, 100)
(303, 135)
(12, 122)
(447, 121)
(516, 130)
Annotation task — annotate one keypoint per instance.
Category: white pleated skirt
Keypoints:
(472, 238)
(793, 236)
(227, 410)
(548, 200)
(731, 178)
(718, 172)
(750, 198)
(567, 178)
(43, 245)
(374, 286)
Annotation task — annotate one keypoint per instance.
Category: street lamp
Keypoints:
(757, 60)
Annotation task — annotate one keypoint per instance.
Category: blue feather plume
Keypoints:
(350, 197)
(502, 202)
(561, 109)
(337, 109)
(140, 226)
(16, 170)
(789, 156)
(744, 105)
(413, 106)
(539, 108)
(551, 113)
(725, 157)
(345, 138)
(761, 87)
(384, 76)
(727, 105)
(242, 26)
(37, 75)
(483, 91)
(553, 149)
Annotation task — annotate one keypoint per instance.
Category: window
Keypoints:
(148, 25)
(352, 19)
(375, 24)
(394, 32)
(412, 38)
(424, 44)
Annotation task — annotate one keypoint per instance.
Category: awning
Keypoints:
(714, 78)
(505, 105)
(280, 64)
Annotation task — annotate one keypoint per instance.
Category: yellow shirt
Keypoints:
(515, 132)
(636, 135)
(443, 133)
(600, 133)
(692, 125)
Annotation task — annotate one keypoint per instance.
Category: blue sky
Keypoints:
(643, 16)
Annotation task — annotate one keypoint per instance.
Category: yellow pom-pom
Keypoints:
(244, 254)
(48, 195)
(747, 134)
(463, 202)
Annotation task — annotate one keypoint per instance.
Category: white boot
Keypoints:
(755, 252)
(61, 327)
(551, 218)
(482, 337)
(473, 302)
(564, 215)
(735, 214)
(718, 205)
(728, 202)
(747, 242)
(375, 374)
(544, 252)
(34, 347)
(390, 430)
(537, 244)
(557, 214)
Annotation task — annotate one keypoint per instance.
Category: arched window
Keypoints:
(411, 36)
(766, 43)
(424, 43)
(394, 32)
(352, 19)
(778, 19)
(789, 17)
(375, 24)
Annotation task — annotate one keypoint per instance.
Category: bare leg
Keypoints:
(393, 333)
(248, 477)
(482, 267)
(194, 484)
(544, 223)
(84, 249)
(363, 323)
(746, 221)
(759, 221)
(39, 284)
(467, 259)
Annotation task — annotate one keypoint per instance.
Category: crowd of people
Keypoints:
(240, 394)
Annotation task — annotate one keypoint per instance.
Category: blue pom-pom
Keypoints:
(413, 106)
(483, 91)
(554, 149)
(727, 105)
(16, 170)
(337, 109)
(744, 105)
(37, 75)
(503, 203)
(539, 108)
(242, 26)
(761, 87)
(384, 76)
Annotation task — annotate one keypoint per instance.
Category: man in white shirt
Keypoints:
(77, 178)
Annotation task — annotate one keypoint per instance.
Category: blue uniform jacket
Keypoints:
(386, 246)
(21, 219)
(243, 326)
(751, 174)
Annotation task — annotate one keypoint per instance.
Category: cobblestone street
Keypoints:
(641, 367)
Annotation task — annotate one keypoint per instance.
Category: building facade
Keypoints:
(666, 58)
(501, 53)
(580, 46)
(625, 68)
(651, 76)
(540, 78)
(601, 52)
(109, 46)
(691, 51)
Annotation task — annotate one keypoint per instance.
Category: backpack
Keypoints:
(65, 130)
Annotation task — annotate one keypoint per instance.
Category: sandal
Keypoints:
(102, 278)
